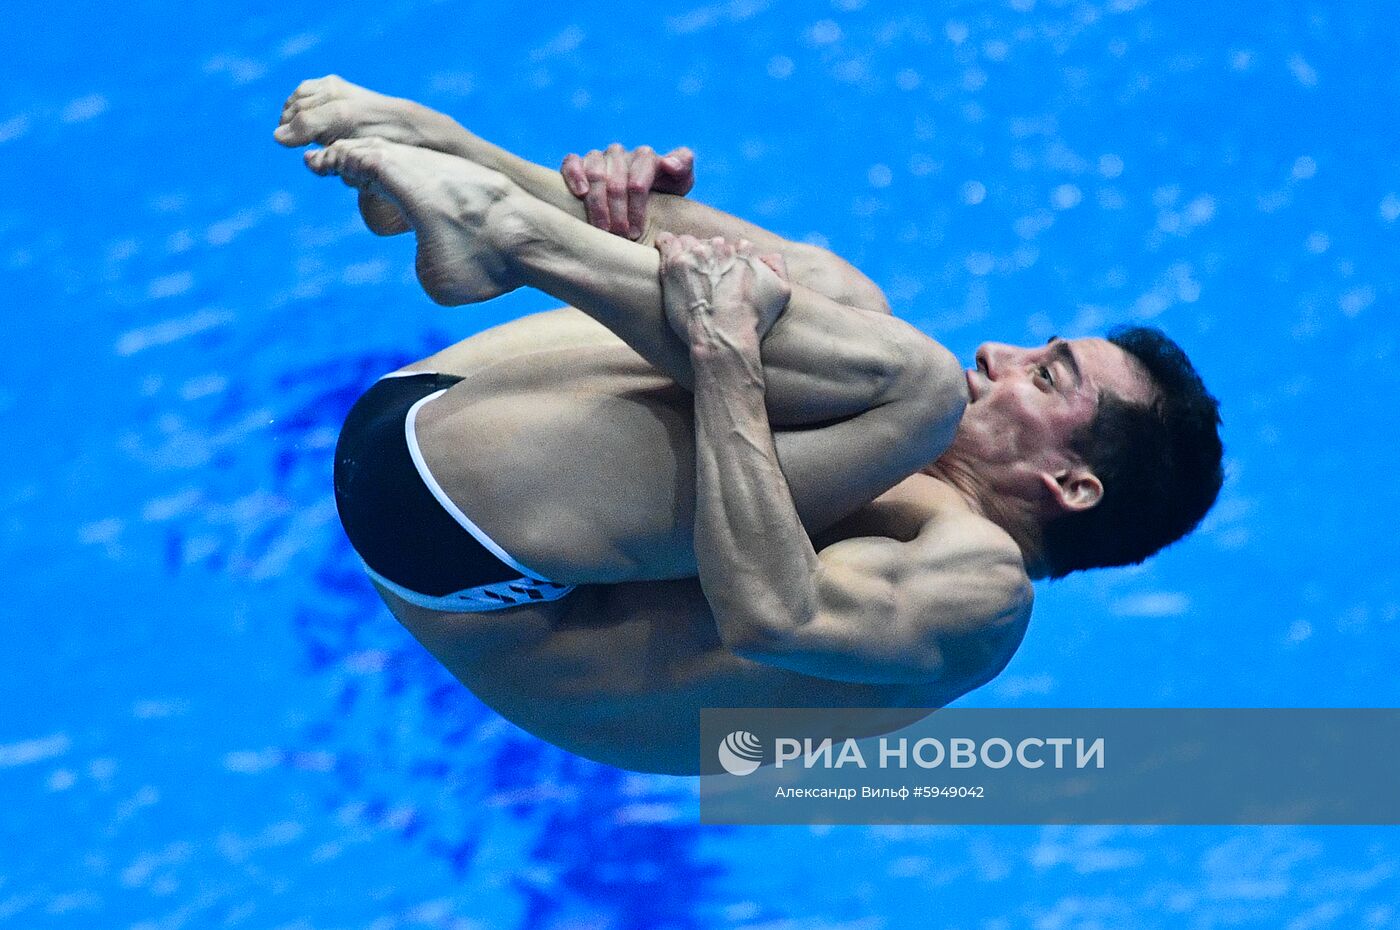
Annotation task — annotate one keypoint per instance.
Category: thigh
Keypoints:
(578, 463)
(539, 332)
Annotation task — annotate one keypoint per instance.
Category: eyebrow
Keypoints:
(1065, 354)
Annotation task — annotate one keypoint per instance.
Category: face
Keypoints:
(1028, 404)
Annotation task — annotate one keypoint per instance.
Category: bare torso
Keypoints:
(569, 450)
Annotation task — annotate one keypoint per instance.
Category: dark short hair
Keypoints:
(1160, 464)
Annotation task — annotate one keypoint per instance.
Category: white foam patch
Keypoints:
(298, 44)
(648, 813)
(1066, 196)
(240, 70)
(454, 83)
(824, 32)
(921, 164)
(366, 662)
(100, 531)
(156, 710)
(1390, 208)
(693, 20)
(30, 751)
(84, 108)
(980, 263)
(313, 761)
(299, 535)
(1303, 72)
(370, 272)
(1019, 686)
(1155, 604)
(170, 285)
(252, 762)
(1356, 300)
(780, 67)
(61, 780)
(203, 386)
(170, 331)
(563, 43)
(13, 128)
(225, 231)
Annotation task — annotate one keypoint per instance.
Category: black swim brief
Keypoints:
(411, 536)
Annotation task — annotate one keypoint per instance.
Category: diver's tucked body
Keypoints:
(619, 672)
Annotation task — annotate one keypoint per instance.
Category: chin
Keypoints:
(964, 444)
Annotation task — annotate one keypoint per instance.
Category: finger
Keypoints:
(572, 170)
(595, 200)
(639, 180)
(775, 261)
(676, 172)
(617, 189)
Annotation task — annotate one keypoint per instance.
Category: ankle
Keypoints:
(445, 134)
(512, 225)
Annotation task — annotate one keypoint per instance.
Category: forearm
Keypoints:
(812, 267)
(756, 564)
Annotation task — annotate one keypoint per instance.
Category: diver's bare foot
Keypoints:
(328, 109)
(460, 210)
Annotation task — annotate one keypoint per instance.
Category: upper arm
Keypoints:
(941, 607)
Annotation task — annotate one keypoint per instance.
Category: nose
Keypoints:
(991, 358)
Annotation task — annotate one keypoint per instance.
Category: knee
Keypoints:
(828, 273)
(926, 384)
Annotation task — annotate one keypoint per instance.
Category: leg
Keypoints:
(327, 109)
(480, 235)
(549, 331)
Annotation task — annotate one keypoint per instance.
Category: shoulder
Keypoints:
(976, 562)
(984, 606)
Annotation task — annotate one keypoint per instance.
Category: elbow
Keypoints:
(763, 633)
(750, 642)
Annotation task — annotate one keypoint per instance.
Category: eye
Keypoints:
(1044, 372)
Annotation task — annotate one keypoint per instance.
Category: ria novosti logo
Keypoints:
(740, 753)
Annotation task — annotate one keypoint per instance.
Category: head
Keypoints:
(1101, 451)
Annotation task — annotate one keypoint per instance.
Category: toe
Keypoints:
(362, 155)
(323, 161)
(293, 131)
(308, 87)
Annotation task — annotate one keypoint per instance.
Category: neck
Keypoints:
(1014, 516)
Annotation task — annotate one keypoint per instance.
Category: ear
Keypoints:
(1073, 489)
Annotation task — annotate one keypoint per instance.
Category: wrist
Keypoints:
(719, 349)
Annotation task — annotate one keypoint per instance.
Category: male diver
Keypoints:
(725, 476)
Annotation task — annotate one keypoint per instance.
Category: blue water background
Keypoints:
(207, 720)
